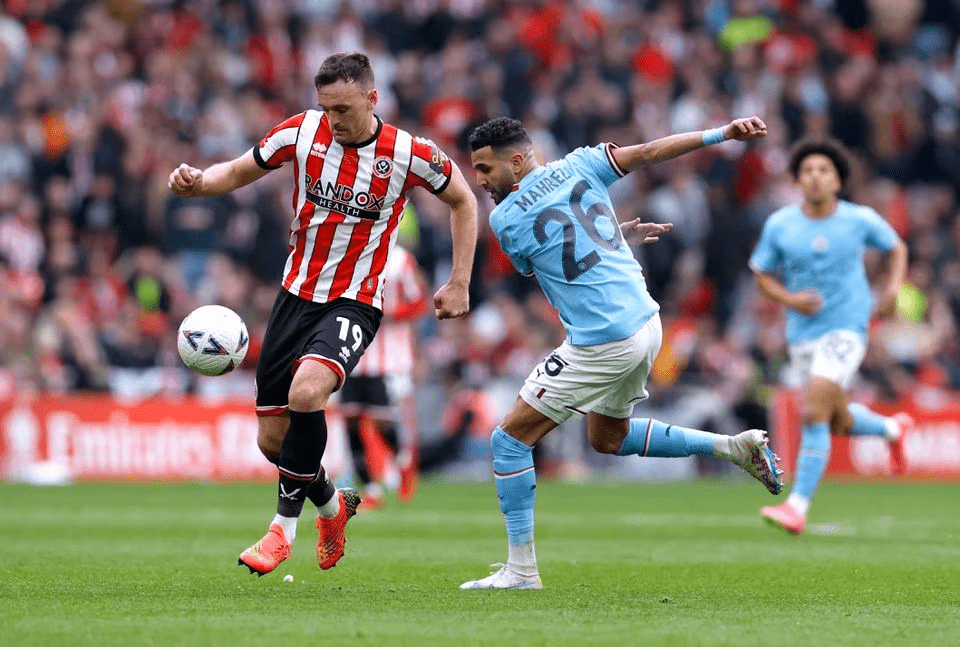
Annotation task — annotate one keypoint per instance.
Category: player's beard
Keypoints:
(499, 193)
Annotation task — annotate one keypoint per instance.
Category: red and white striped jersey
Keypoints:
(347, 202)
(404, 300)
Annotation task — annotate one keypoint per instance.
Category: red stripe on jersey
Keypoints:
(313, 168)
(386, 145)
(360, 234)
(380, 255)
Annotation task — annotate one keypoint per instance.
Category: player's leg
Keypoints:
(858, 420)
(828, 366)
(400, 390)
(625, 366)
(379, 434)
(650, 437)
(512, 444)
(339, 337)
(273, 381)
(301, 452)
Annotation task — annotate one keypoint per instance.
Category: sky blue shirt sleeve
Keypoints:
(599, 162)
(879, 232)
(767, 256)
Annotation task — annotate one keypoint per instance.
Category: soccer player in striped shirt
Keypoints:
(556, 221)
(351, 174)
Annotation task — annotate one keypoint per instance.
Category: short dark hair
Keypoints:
(497, 133)
(349, 68)
(830, 148)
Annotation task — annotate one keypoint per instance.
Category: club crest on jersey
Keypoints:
(382, 167)
(820, 244)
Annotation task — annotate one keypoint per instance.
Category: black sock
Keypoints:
(357, 452)
(389, 432)
(321, 490)
(300, 457)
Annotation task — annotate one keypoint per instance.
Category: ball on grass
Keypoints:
(288, 578)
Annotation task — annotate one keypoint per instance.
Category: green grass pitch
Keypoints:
(624, 564)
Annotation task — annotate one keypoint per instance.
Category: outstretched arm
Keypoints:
(666, 148)
(453, 298)
(221, 178)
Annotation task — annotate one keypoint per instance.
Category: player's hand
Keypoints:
(807, 302)
(639, 232)
(744, 129)
(186, 180)
(452, 300)
(887, 304)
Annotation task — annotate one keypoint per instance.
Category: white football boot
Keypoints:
(750, 451)
(504, 578)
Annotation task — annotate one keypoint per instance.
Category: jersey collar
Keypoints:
(370, 139)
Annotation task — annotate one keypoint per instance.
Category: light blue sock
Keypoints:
(516, 484)
(866, 422)
(649, 437)
(812, 462)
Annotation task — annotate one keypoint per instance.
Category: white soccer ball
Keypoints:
(212, 340)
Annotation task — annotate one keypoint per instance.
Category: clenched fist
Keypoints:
(186, 180)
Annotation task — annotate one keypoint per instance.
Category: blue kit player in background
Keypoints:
(810, 258)
(557, 222)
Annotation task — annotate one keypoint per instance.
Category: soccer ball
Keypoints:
(212, 340)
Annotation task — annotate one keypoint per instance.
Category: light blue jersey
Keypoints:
(559, 224)
(825, 255)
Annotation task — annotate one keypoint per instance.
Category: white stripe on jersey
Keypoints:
(281, 138)
(341, 217)
(308, 129)
(341, 240)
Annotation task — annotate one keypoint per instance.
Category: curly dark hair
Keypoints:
(830, 148)
(349, 68)
(499, 132)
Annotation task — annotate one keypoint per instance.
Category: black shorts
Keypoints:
(364, 392)
(334, 333)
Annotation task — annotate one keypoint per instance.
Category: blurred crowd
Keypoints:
(100, 100)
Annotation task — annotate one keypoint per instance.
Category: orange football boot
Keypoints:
(266, 554)
(332, 540)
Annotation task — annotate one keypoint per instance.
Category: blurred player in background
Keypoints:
(810, 258)
(351, 174)
(557, 222)
(377, 399)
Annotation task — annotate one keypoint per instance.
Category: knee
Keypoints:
(814, 411)
(842, 423)
(308, 396)
(606, 443)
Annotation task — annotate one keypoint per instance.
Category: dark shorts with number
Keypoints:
(335, 334)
